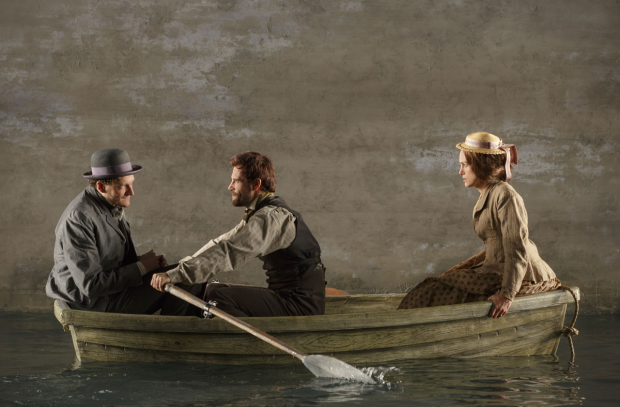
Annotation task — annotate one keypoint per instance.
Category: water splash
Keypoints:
(378, 373)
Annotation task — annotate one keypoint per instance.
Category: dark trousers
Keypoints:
(144, 299)
(249, 301)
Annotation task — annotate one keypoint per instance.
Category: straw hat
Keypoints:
(487, 143)
(481, 142)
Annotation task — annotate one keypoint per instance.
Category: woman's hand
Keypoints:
(500, 306)
(159, 280)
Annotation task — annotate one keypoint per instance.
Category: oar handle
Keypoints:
(184, 295)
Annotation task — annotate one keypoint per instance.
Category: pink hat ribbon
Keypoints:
(508, 148)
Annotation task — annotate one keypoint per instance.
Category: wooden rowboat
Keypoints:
(358, 329)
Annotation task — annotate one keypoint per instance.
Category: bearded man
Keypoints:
(96, 267)
(269, 230)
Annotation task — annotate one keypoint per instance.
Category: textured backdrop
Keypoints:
(358, 103)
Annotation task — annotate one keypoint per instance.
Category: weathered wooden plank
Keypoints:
(536, 338)
(465, 347)
(102, 353)
(350, 340)
(60, 305)
(59, 308)
(315, 341)
(72, 329)
(559, 327)
(507, 342)
(351, 304)
(310, 323)
(390, 333)
(354, 304)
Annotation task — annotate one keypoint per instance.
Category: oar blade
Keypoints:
(325, 366)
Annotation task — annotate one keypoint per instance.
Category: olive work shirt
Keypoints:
(268, 230)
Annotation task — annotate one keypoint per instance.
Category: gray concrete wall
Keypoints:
(358, 103)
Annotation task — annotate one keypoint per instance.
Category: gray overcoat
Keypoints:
(90, 263)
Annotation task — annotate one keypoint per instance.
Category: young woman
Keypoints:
(510, 265)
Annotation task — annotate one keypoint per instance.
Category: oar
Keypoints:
(321, 366)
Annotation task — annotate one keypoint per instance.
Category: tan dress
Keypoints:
(510, 264)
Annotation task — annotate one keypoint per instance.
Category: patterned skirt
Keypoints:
(462, 286)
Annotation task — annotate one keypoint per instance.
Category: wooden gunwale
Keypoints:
(350, 332)
(314, 341)
(331, 322)
(529, 339)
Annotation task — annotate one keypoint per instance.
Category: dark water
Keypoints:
(38, 368)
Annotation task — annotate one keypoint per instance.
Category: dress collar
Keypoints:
(483, 197)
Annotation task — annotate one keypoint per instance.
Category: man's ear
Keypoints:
(101, 187)
(257, 184)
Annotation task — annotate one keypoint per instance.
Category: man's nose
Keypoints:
(230, 187)
(129, 191)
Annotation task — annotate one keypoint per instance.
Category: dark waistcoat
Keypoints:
(294, 269)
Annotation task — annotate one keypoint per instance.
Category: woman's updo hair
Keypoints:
(488, 167)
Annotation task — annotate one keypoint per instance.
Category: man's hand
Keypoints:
(150, 261)
(500, 305)
(159, 280)
(162, 261)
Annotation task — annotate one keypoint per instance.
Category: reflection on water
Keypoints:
(496, 381)
(37, 367)
(538, 381)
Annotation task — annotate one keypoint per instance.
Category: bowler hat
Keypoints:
(111, 163)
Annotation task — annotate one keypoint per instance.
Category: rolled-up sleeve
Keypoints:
(511, 211)
(270, 229)
(215, 241)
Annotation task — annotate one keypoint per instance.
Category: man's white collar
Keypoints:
(252, 206)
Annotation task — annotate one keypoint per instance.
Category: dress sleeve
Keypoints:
(513, 219)
(270, 229)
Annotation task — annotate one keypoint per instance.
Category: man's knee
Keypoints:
(227, 298)
(215, 290)
(220, 294)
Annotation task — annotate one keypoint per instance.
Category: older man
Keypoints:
(95, 263)
(271, 231)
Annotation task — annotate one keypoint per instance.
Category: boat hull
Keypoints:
(358, 329)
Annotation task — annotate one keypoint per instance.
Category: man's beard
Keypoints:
(241, 200)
